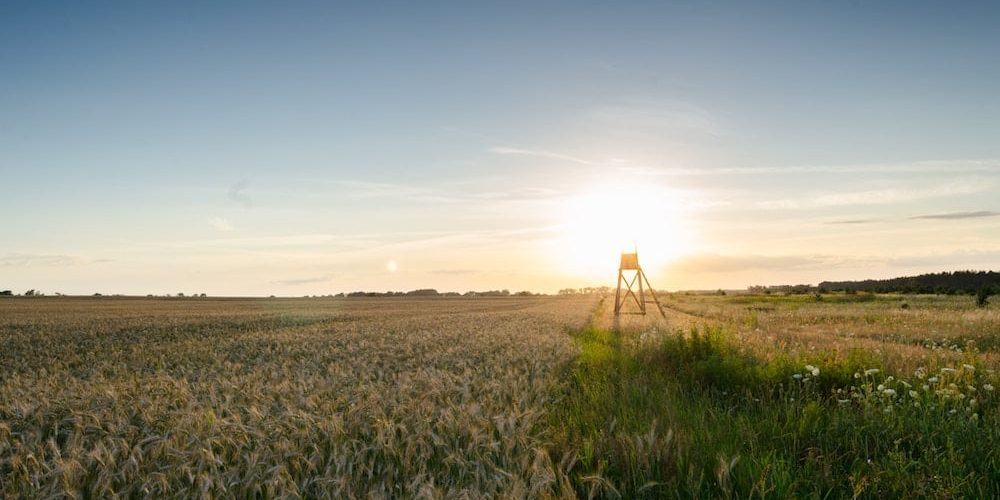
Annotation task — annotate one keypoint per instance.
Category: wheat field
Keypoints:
(868, 396)
(109, 397)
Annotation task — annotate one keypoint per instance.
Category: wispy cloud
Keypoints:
(990, 166)
(398, 192)
(958, 215)
(454, 272)
(46, 260)
(673, 115)
(442, 194)
(303, 281)
(714, 263)
(236, 193)
(876, 196)
(220, 224)
(852, 221)
(539, 153)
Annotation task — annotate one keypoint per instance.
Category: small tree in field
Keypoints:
(983, 296)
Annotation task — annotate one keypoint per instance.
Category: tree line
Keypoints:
(951, 283)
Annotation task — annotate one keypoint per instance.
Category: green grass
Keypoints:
(692, 415)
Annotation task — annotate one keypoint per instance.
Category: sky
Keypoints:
(300, 148)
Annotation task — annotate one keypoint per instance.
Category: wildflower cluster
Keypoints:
(954, 390)
(945, 344)
(809, 372)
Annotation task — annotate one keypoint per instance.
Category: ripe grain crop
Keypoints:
(333, 398)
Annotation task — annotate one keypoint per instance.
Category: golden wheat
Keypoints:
(279, 398)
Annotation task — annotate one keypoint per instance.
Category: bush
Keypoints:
(983, 296)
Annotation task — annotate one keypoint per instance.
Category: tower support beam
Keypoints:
(630, 262)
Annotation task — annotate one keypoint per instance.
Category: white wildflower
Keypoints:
(871, 371)
(914, 394)
(988, 387)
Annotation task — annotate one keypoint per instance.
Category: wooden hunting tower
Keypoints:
(630, 264)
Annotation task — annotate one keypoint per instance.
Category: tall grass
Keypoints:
(693, 414)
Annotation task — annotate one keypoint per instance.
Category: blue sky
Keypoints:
(257, 148)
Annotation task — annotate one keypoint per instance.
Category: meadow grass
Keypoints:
(653, 413)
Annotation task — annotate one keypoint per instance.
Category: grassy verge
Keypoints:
(691, 415)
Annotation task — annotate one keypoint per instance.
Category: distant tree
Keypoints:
(6, 292)
(180, 294)
(30, 293)
(203, 294)
(97, 294)
(720, 292)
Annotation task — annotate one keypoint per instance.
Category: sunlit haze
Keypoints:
(253, 148)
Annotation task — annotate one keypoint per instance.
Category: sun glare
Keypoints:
(601, 222)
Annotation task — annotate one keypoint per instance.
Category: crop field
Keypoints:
(742, 395)
(265, 398)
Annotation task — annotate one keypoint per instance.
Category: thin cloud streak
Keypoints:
(303, 281)
(957, 215)
(501, 150)
(666, 115)
(875, 196)
(852, 221)
(41, 260)
(991, 166)
(454, 272)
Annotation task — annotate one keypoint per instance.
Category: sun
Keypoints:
(600, 222)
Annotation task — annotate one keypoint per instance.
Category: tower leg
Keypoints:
(655, 299)
(642, 296)
(618, 294)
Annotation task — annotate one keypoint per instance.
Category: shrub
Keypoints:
(983, 296)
